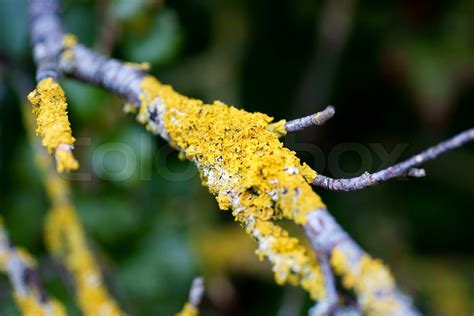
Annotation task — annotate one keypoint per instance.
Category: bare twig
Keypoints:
(196, 292)
(47, 34)
(405, 168)
(23, 276)
(329, 304)
(315, 119)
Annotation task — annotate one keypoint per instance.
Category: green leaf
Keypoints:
(161, 44)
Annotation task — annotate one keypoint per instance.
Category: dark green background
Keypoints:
(401, 78)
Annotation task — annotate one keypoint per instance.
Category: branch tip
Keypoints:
(318, 118)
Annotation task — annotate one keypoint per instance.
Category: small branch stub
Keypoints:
(315, 119)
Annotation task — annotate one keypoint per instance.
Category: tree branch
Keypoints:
(374, 285)
(371, 281)
(191, 308)
(26, 282)
(47, 35)
(405, 168)
(315, 119)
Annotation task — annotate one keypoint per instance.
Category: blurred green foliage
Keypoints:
(404, 74)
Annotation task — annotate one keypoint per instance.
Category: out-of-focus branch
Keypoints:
(331, 33)
(29, 293)
(191, 308)
(329, 304)
(64, 234)
(373, 283)
(405, 168)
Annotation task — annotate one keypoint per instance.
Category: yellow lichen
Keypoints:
(188, 310)
(371, 280)
(65, 160)
(140, 66)
(291, 263)
(65, 239)
(50, 108)
(246, 168)
(28, 300)
(278, 128)
(69, 40)
(31, 306)
(243, 163)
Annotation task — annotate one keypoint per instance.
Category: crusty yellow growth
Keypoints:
(65, 160)
(246, 168)
(50, 108)
(291, 264)
(243, 163)
(140, 66)
(69, 40)
(371, 280)
(278, 128)
(29, 303)
(65, 239)
(30, 306)
(188, 310)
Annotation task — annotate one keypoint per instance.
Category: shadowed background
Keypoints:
(400, 74)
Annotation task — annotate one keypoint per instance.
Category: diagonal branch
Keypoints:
(405, 168)
(377, 293)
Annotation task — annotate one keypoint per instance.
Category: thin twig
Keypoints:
(404, 168)
(328, 305)
(196, 292)
(24, 277)
(314, 119)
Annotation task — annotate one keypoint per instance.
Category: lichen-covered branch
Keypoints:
(241, 161)
(373, 283)
(27, 289)
(48, 99)
(65, 238)
(191, 308)
(405, 168)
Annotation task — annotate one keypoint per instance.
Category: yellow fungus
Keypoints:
(188, 310)
(246, 168)
(50, 108)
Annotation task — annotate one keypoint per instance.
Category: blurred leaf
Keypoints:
(162, 42)
(126, 9)
(80, 21)
(13, 28)
(87, 101)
